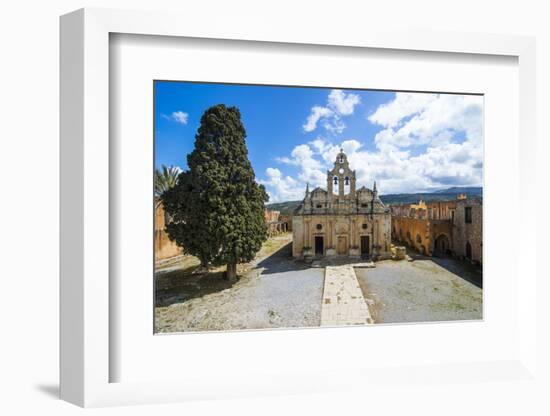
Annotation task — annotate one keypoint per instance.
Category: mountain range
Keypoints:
(447, 194)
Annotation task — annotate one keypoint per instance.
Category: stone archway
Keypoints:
(468, 251)
(442, 245)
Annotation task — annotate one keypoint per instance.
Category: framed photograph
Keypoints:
(236, 210)
(268, 224)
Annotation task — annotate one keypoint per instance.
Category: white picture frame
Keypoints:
(85, 214)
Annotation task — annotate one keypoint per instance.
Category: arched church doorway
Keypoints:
(442, 246)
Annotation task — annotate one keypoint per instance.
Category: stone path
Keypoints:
(343, 302)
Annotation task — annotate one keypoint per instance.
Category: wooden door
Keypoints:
(365, 246)
(319, 246)
(342, 247)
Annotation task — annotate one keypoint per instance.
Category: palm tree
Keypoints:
(165, 178)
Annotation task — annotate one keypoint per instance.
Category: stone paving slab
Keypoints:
(343, 302)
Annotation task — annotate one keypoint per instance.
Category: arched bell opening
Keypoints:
(335, 182)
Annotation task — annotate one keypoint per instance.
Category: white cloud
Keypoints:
(343, 103)
(177, 116)
(316, 114)
(432, 119)
(311, 169)
(395, 170)
(339, 104)
(282, 188)
(427, 141)
(334, 125)
(312, 160)
(350, 146)
(404, 105)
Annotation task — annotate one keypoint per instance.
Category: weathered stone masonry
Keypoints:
(164, 247)
(441, 228)
(341, 220)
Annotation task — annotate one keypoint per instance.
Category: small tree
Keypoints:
(217, 207)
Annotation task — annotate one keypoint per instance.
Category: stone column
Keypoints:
(304, 230)
(340, 186)
(329, 233)
(330, 236)
(351, 232)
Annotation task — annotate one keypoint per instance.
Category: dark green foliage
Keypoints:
(217, 207)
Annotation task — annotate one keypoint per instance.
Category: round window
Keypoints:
(319, 227)
(364, 226)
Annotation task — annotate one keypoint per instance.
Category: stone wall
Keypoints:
(164, 247)
(275, 224)
(425, 226)
(276, 228)
(413, 232)
(287, 219)
(441, 229)
(471, 233)
(441, 210)
(298, 235)
(271, 216)
(435, 210)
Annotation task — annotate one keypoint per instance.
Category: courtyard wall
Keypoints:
(164, 247)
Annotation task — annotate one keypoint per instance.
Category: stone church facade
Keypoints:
(341, 220)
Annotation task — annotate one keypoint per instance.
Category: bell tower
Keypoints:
(341, 176)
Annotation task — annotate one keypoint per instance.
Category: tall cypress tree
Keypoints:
(217, 207)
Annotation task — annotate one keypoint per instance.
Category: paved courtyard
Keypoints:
(278, 293)
(275, 291)
(420, 291)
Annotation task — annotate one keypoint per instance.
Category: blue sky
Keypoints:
(408, 142)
